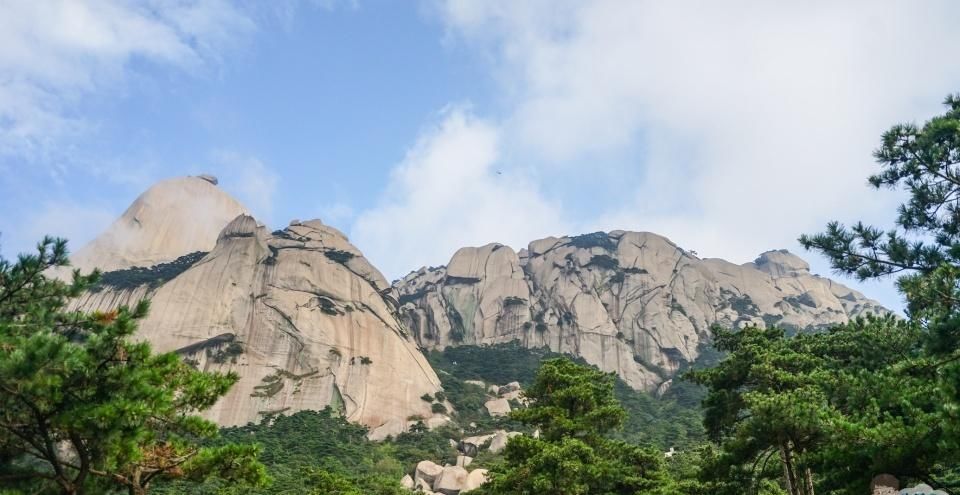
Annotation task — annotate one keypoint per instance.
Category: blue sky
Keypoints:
(420, 127)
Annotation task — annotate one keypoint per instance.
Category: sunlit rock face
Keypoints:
(632, 303)
(173, 218)
(299, 314)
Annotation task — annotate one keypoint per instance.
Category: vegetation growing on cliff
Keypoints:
(152, 277)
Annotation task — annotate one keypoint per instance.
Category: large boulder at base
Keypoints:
(475, 479)
(632, 303)
(428, 471)
(498, 442)
(452, 480)
(497, 407)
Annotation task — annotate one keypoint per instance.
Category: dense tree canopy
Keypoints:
(83, 408)
(877, 395)
(833, 409)
(574, 409)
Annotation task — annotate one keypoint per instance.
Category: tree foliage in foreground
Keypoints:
(83, 408)
(575, 410)
(829, 410)
(924, 247)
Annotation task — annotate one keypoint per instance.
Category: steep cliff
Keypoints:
(299, 314)
(629, 302)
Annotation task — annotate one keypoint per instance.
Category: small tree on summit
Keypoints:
(83, 408)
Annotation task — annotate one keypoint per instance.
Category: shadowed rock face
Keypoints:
(629, 302)
(299, 314)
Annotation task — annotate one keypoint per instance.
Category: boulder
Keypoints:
(464, 460)
(421, 486)
(493, 390)
(478, 383)
(471, 445)
(451, 481)
(428, 471)
(497, 407)
(407, 482)
(499, 441)
(476, 478)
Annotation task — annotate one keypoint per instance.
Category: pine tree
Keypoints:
(85, 408)
(575, 410)
(923, 250)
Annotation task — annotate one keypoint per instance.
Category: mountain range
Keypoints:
(308, 322)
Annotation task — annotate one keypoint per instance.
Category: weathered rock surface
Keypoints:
(497, 407)
(452, 480)
(430, 477)
(628, 302)
(173, 218)
(476, 478)
(428, 471)
(299, 314)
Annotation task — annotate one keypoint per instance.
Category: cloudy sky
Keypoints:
(419, 127)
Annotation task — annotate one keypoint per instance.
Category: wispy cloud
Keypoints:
(54, 53)
(448, 193)
(729, 127)
(756, 118)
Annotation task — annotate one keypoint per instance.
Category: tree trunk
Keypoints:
(789, 474)
(808, 477)
(135, 488)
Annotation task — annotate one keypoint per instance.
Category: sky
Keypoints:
(420, 127)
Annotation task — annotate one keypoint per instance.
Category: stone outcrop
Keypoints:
(173, 218)
(497, 407)
(429, 478)
(632, 303)
(452, 480)
(299, 314)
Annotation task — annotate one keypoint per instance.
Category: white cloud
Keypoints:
(754, 120)
(250, 180)
(52, 53)
(446, 194)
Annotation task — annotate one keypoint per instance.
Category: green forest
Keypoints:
(87, 409)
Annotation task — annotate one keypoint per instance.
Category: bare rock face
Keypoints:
(173, 218)
(632, 303)
(299, 314)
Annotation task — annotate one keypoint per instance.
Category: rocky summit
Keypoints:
(307, 322)
(632, 303)
(172, 218)
(298, 313)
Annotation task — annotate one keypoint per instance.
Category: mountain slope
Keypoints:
(299, 314)
(628, 302)
(172, 218)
